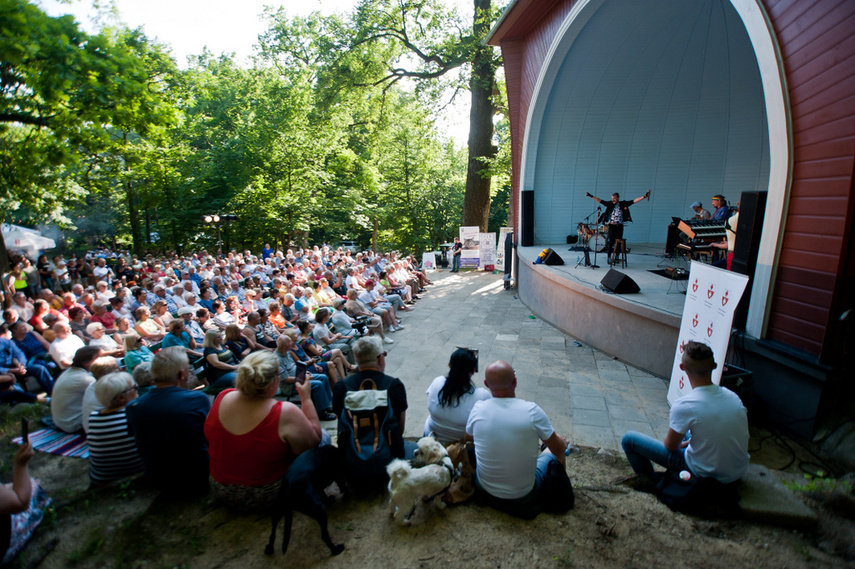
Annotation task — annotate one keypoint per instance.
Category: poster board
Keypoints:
(500, 247)
(470, 255)
(711, 297)
(428, 261)
(488, 249)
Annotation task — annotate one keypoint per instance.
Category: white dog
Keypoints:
(409, 486)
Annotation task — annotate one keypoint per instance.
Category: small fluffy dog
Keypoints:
(411, 485)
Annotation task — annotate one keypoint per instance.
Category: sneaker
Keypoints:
(400, 326)
(388, 341)
(392, 329)
(327, 416)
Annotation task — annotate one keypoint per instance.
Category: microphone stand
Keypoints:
(596, 240)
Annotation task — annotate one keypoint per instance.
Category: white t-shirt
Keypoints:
(449, 423)
(64, 350)
(107, 344)
(718, 447)
(66, 404)
(90, 403)
(507, 432)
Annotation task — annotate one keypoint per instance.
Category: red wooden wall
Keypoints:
(817, 41)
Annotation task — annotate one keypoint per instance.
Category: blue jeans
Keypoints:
(455, 263)
(41, 373)
(640, 450)
(321, 392)
(526, 506)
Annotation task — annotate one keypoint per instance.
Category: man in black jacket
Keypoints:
(615, 215)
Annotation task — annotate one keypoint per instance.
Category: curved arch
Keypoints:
(776, 125)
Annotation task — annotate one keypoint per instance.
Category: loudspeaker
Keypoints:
(749, 230)
(527, 237)
(572, 239)
(619, 283)
(552, 258)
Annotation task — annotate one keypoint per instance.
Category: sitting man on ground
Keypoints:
(708, 428)
(168, 424)
(510, 475)
(66, 406)
(66, 344)
(372, 363)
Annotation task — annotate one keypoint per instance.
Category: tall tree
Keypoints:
(430, 35)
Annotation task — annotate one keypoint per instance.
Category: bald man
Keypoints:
(507, 431)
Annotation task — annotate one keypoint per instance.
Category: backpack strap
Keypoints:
(355, 433)
(376, 432)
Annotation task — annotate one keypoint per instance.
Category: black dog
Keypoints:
(303, 490)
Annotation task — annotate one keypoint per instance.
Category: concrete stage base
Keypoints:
(640, 329)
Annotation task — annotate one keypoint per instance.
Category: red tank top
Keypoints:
(256, 458)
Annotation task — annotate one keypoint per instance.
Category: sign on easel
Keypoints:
(488, 249)
(428, 261)
(470, 254)
(711, 298)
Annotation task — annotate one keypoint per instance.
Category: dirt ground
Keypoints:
(129, 525)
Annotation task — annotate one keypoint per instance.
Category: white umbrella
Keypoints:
(17, 237)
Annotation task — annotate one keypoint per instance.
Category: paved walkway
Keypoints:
(591, 398)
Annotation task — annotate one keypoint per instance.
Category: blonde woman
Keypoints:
(253, 438)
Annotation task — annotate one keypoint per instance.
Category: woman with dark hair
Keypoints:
(450, 399)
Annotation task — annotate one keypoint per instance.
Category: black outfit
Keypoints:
(615, 229)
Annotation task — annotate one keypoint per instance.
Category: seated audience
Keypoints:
(102, 366)
(147, 328)
(221, 364)
(253, 438)
(167, 425)
(143, 378)
(26, 355)
(451, 398)
(321, 392)
(178, 336)
(113, 451)
(236, 342)
(66, 406)
(135, 352)
(100, 339)
(66, 344)
(507, 431)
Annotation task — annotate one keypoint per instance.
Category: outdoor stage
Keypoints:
(640, 329)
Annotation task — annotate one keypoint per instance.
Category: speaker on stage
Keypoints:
(619, 283)
(527, 237)
(552, 258)
(572, 239)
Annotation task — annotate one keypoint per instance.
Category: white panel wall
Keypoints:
(662, 95)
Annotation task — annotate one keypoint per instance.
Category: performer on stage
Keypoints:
(615, 215)
(700, 212)
(722, 212)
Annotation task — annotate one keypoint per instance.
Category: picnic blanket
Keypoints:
(53, 441)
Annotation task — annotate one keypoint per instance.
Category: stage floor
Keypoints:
(657, 292)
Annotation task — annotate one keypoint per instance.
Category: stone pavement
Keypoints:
(591, 398)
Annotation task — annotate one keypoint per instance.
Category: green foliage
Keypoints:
(321, 139)
(819, 483)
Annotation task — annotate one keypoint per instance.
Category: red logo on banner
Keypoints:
(724, 298)
(709, 330)
(682, 383)
(695, 286)
(682, 346)
(710, 292)
(695, 321)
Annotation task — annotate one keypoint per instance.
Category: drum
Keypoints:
(603, 229)
(584, 231)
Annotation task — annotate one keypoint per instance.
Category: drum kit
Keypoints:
(588, 231)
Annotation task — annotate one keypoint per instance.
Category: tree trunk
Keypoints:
(476, 202)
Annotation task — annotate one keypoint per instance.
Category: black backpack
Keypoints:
(365, 431)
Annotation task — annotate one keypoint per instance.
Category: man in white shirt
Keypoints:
(62, 349)
(509, 472)
(66, 406)
(708, 428)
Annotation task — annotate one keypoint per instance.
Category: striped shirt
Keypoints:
(112, 449)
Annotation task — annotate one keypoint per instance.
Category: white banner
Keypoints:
(428, 261)
(500, 247)
(470, 255)
(711, 298)
(488, 249)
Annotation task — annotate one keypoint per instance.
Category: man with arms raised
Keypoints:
(510, 475)
(711, 419)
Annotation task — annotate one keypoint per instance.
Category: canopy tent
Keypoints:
(29, 240)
